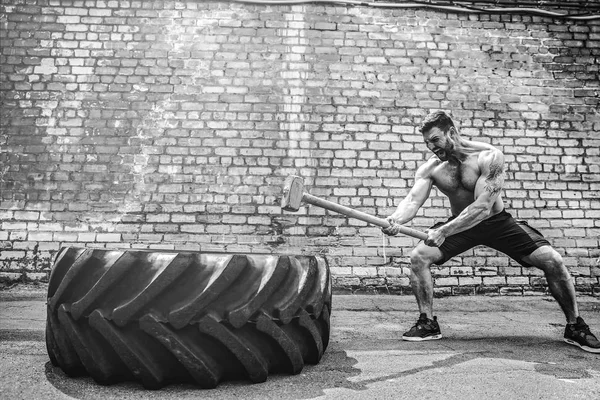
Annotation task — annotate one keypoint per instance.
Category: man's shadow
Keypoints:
(550, 357)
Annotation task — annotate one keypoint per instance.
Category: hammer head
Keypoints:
(293, 191)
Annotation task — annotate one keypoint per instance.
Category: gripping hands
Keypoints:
(393, 229)
(433, 237)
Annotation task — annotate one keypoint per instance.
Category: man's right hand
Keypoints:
(393, 229)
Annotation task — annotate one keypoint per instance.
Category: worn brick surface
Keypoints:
(172, 125)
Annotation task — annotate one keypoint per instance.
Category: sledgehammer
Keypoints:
(294, 195)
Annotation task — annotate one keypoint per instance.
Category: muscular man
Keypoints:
(471, 174)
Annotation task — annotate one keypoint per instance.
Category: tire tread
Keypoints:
(161, 317)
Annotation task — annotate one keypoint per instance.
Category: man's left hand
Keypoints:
(435, 237)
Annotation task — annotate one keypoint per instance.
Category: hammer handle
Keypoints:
(328, 205)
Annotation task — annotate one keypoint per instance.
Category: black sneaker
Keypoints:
(424, 329)
(579, 334)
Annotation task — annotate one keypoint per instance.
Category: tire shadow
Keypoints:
(333, 371)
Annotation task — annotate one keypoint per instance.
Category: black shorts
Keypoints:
(501, 232)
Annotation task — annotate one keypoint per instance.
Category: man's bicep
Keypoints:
(420, 190)
(491, 181)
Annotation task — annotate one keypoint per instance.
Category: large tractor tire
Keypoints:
(164, 317)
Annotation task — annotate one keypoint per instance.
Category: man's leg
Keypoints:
(577, 332)
(559, 279)
(421, 259)
(427, 327)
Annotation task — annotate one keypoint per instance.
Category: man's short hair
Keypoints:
(437, 119)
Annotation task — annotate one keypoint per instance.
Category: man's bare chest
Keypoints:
(451, 178)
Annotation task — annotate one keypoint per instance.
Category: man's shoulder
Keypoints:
(429, 166)
(491, 160)
(490, 154)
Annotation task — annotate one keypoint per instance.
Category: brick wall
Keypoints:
(172, 125)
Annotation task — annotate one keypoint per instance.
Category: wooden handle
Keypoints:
(328, 205)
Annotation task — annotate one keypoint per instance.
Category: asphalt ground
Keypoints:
(494, 347)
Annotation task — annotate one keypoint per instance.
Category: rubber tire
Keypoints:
(164, 317)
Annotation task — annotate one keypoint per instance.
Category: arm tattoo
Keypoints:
(493, 181)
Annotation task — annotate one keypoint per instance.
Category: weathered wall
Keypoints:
(172, 125)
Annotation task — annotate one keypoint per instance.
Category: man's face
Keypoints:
(439, 142)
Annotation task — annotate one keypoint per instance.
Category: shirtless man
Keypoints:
(471, 174)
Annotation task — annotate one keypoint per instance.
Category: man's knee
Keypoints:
(556, 261)
(556, 266)
(423, 257)
(551, 262)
